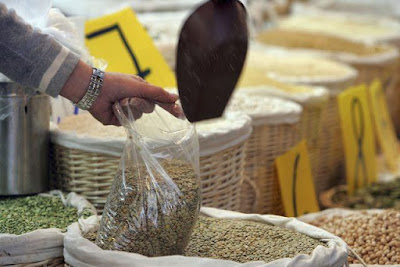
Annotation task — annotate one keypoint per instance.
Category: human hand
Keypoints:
(133, 91)
(119, 87)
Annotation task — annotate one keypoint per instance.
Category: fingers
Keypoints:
(138, 78)
(136, 107)
(149, 91)
(141, 104)
(117, 86)
(114, 121)
(130, 110)
(174, 109)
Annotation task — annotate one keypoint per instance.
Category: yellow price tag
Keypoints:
(123, 42)
(358, 137)
(383, 126)
(296, 181)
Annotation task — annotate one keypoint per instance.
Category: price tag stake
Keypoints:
(358, 137)
(294, 193)
(124, 44)
(296, 181)
(358, 130)
(384, 126)
(116, 28)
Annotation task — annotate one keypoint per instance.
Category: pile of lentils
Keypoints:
(243, 241)
(143, 215)
(374, 236)
(25, 214)
(375, 196)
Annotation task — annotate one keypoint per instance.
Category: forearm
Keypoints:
(77, 83)
(32, 58)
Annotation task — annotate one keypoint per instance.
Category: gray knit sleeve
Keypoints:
(31, 58)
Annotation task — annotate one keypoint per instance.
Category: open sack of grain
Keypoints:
(283, 242)
(355, 27)
(32, 228)
(371, 60)
(275, 131)
(373, 234)
(283, 65)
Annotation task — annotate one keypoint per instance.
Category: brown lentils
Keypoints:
(374, 236)
(243, 241)
(134, 223)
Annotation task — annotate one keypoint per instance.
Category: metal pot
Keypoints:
(24, 141)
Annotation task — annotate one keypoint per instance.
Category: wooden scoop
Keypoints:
(211, 51)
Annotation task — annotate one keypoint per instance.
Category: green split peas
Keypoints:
(25, 214)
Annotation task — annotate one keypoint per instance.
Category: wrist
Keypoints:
(78, 82)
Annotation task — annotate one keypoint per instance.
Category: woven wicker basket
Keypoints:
(331, 146)
(86, 173)
(249, 196)
(221, 176)
(309, 73)
(222, 155)
(313, 102)
(275, 131)
(327, 158)
(74, 169)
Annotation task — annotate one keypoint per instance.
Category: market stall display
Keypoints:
(275, 130)
(380, 195)
(222, 158)
(85, 158)
(81, 251)
(373, 234)
(150, 178)
(319, 122)
(369, 29)
(371, 61)
(32, 228)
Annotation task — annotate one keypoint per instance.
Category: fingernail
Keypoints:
(178, 112)
(175, 96)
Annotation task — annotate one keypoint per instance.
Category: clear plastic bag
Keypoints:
(155, 198)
